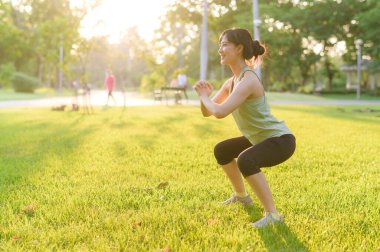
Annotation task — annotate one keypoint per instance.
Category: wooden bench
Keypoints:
(157, 95)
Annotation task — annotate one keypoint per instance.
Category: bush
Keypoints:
(6, 73)
(278, 87)
(24, 83)
(150, 82)
(339, 83)
(338, 91)
(307, 89)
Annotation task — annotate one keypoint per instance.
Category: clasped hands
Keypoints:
(203, 88)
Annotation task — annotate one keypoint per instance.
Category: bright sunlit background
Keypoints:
(113, 17)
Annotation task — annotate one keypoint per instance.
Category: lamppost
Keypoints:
(256, 31)
(60, 63)
(179, 31)
(203, 70)
(358, 44)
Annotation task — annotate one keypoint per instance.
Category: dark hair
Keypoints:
(238, 36)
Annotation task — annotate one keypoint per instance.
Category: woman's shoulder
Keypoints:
(250, 79)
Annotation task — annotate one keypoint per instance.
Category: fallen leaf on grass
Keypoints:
(212, 222)
(161, 185)
(30, 209)
(136, 224)
(15, 238)
(167, 248)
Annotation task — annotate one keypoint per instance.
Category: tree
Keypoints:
(35, 29)
(12, 42)
(369, 29)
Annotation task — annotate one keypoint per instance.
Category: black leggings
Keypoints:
(250, 158)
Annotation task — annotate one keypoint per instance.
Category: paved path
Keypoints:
(98, 98)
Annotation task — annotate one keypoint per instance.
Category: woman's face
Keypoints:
(228, 51)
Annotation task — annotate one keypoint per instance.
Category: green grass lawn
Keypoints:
(78, 182)
(10, 95)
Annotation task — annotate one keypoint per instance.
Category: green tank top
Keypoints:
(254, 119)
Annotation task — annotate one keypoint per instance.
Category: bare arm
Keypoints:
(249, 87)
(218, 98)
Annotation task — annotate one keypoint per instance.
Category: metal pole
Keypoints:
(256, 31)
(358, 44)
(203, 70)
(180, 35)
(60, 63)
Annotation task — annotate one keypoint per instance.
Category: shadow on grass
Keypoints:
(24, 154)
(204, 129)
(169, 123)
(122, 124)
(277, 237)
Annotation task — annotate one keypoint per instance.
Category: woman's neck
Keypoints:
(237, 67)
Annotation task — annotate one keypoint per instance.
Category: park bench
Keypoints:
(177, 93)
(157, 95)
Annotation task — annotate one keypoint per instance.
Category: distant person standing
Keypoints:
(110, 83)
(182, 81)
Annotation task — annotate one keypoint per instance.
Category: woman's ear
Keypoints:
(240, 49)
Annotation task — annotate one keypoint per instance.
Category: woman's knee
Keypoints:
(221, 153)
(247, 165)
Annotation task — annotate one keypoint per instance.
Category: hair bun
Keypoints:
(258, 49)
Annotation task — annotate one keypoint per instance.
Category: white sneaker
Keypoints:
(236, 199)
(268, 219)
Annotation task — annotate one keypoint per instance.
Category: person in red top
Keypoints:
(110, 83)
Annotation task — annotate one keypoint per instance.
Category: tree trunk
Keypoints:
(330, 73)
(314, 77)
(40, 68)
(49, 75)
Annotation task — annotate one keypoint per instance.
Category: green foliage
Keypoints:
(33, 30)
(278, 86)
(6, 73)
(13, 42)
(339, 82)
(307, 89)
(24, 83)
(290, 29)
(339, 91)
(374, 66)
(151, 82)
(369, 27)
